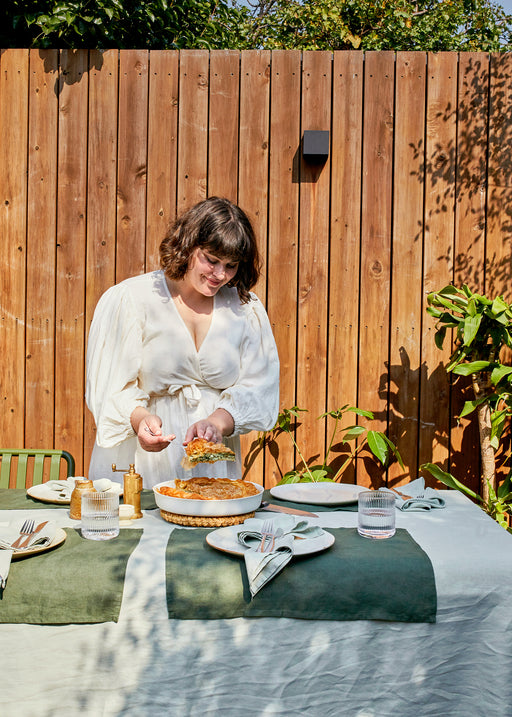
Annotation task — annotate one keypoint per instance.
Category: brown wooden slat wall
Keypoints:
(100, 150)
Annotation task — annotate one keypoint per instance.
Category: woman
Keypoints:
(184, 351)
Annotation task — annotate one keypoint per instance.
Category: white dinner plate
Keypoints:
(226, 540)
(322, 493)
(47, 495)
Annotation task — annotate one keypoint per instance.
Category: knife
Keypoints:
(29, 537)
(283, 509)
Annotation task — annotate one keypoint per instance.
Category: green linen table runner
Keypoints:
(355, 579)
(81, 581)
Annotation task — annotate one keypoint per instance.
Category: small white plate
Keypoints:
(226, 540)
(322, 493)
(47, 495)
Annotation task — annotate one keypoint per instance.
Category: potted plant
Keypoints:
(356, 437)
(482, 329)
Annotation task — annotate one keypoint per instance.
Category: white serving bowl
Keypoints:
(211, 508)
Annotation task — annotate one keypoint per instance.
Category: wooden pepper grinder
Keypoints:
(132, 488)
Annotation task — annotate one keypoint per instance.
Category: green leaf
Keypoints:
(470, 406)
(471, 326)
(500, 372)
(361, 412)
(466, 369)
(353, 432)
(378, 446)
(449, 480)
(290, 477)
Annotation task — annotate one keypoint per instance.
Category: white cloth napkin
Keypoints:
(5, 564)
(63, 488)
(262, 567)
(429, 499)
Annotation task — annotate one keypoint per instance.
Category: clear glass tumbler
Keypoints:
(376, 514)
(100, 516)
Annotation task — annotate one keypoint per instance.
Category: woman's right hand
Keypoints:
(148, 428)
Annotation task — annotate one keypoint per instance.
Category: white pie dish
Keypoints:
(210, 508)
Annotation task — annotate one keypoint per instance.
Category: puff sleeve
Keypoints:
(113, 361)
(253, 401)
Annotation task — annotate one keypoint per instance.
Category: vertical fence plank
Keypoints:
(223, 124)
(440, 158)
(283, 228)
(499, 203)
(70, 289)
(253, 177)
(132, 164)
(406, 282)
(162, 149)
(313, 257)
(101, 194)
(14, 65)
(193, 128)
(41, 232)
(376, 245)
(469, 253)
(347, 138)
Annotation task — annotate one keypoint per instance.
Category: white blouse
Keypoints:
(141, 353)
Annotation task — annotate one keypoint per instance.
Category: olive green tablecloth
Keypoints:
(355, 579)
(80, 581)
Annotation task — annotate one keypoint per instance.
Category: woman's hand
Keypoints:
(219, 424)
(148, 428)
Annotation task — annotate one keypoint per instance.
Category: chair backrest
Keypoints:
(37, 457)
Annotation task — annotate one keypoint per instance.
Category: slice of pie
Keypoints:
(202, 451)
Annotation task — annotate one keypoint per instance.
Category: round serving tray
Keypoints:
(209, 508)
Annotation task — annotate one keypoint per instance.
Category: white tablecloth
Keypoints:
(148, 665)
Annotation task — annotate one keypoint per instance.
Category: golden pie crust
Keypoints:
(209, 489)
(202, 451)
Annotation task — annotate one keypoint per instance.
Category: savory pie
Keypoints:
(209, 489)
(202, 451)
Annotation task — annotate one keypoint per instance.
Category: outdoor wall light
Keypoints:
(315, 145)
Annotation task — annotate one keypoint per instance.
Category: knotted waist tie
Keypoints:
(190, 393)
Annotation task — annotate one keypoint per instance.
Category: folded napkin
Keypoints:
(421, 498)
(63, 488)
(5, 564)
(9, 532)
(262, 567)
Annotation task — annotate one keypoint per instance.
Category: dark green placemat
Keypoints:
(81, 581)
(355, 579)
(309, 506)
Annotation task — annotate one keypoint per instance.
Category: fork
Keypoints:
(266, 535)
(26, 529)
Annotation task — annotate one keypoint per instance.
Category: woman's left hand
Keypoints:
(219, 424)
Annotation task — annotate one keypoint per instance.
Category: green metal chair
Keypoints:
(37, 465)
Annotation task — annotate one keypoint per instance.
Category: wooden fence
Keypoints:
(100, 150)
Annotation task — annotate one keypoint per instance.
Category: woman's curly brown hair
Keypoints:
(220, 227)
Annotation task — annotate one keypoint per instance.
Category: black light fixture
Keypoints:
(315, 145)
